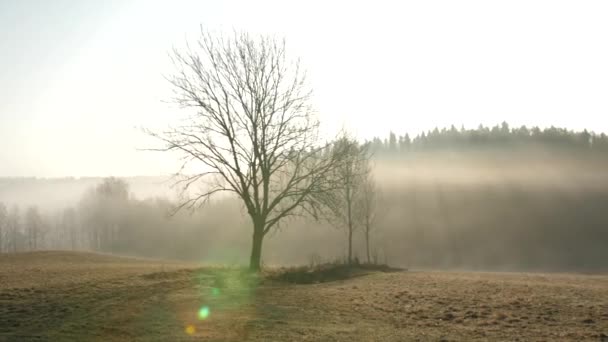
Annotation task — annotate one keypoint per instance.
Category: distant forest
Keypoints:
(499, 136)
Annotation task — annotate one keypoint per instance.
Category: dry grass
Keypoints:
(79, 296)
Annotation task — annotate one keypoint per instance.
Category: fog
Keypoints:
(530, 208)
(52, 194)
(479, 214)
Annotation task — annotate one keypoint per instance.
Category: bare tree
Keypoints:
(33, 224)
(367, 207)
(349, 177)
(103, 209)
(69, 224)
(252, 132)
(14, 224)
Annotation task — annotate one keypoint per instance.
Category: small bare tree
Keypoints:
(349, 178)
(103, 212)
(252, 132)
(69, 225)
(33, 226)
(367, 207)
(14, 227)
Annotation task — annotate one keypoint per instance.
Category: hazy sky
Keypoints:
(78, 78)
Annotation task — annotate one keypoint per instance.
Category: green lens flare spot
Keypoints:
(203, 313)
(215, 291)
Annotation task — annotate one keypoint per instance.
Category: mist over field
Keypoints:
(527, 207)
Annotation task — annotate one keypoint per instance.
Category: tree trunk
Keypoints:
(350, 244)
(14, 233)
(350, 226)
(367, 244)
(256, 248)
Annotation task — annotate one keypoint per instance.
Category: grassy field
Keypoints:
(61, 296)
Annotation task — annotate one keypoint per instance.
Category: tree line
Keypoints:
(498, 136)
(107, 218)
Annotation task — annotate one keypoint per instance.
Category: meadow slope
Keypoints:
(65, 296)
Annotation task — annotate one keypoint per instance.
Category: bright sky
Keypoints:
(79, 78)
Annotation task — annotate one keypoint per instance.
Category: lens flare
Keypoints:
(215, 291)
(190, 330)
(204, 313)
